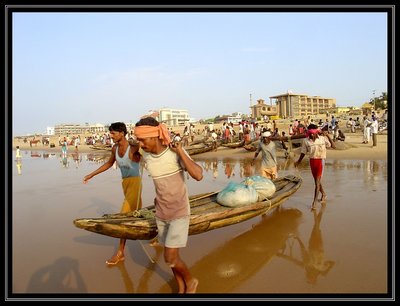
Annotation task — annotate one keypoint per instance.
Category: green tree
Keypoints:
(379, 102)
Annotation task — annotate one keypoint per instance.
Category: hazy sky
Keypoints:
(76, 67)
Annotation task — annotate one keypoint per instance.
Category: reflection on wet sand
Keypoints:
(19, 166)
(64, 161)
(370, 168)
(313, 259)
(77, 158)
(228, 165)
(98, 157)
(35, 154)
(358, 191)
(240, 258)
(62, 276)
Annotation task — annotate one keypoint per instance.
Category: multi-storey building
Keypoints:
(173, 117)
(300, 105)
(74, 129)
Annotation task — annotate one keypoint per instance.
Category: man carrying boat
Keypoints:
(166, 162)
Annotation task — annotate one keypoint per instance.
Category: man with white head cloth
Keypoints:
(269, 166)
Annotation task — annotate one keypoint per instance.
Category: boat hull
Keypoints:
(206, 214)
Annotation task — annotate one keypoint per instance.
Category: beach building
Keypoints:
(49, 130)
(173, 117)
(367, 109)
(74, 129)
(260, 109)
(235, 117)
(300, 105)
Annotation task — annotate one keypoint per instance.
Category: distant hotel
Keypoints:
(293, 105)
(75, 129)
(171, 117)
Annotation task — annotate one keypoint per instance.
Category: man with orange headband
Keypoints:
(315, 146)
(166, 163)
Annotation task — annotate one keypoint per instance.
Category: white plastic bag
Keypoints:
(264, 186)
(237, 194)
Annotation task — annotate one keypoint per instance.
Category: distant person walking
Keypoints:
(64, 147)
(269, 166)
(127, 157)
(333, 122)
(315, 146)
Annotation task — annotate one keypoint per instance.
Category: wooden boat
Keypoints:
(233, 145)
(206, 214)
(197, 149)
(198, 141)
(293, 142)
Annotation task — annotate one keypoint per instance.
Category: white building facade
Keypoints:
(173, 117)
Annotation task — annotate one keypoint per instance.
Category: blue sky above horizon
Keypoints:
(76, 67)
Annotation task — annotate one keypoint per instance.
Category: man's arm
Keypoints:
(299, 160)
(107, 165)
(324, 133)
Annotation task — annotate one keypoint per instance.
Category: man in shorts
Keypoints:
(166, 162)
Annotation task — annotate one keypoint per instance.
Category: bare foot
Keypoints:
(323, 198)
(115, 259)
(154, 242)
(192, 287)
(313, 206)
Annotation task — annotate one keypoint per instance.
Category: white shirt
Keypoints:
(374, 127)
(316, 149)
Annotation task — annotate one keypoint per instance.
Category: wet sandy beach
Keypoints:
(336, 251)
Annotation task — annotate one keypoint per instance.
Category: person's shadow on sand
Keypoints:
(60, 277)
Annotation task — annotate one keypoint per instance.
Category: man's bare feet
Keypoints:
(323, 198)
(192, 286)
(115, 259)
(154, 242)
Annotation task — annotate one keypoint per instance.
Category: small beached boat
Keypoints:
(198, 148)
(206, 214)
(233, 145)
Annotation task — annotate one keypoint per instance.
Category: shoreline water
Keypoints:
(351, 149)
